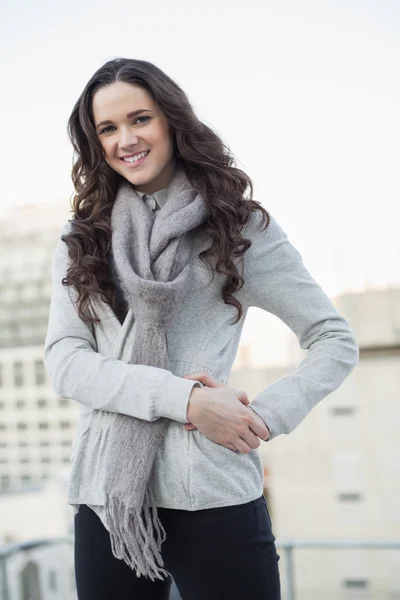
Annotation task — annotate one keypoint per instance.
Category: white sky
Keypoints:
(306, 95)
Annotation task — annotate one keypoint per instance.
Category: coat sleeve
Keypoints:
(277, 281)
(78, 372)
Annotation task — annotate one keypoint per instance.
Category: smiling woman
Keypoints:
(133, 133)
(162, 498)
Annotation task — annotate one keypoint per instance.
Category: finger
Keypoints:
(189, 427)
(258, 426)
(243, 397)
(204, 378)
(261, 431)
(243, 446)
(230, 447)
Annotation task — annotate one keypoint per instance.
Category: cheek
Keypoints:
(161, 137)
(109, 156)
(167, 147)
(107, 150)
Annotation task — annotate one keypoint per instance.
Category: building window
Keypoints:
(66, 459)
(40, 374)
(20, 403)
(25, 461)
(18, 374)
(65, 424)
(42, 402)
(343, 410)
(66, 443)
(1, 404)
(44, 443)
(349, 497)
(3, 426)
(53, 580)
(43, 425)
(355, 583)
(22, 426)
(25, 478)
(23, 444)
(1, 375)
(63, 402)
(4, 481)
(45, 459)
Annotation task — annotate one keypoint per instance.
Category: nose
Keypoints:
(127, 138)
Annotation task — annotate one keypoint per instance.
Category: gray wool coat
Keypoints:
(192, 472)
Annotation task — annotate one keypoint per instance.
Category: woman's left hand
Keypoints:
(209, 381)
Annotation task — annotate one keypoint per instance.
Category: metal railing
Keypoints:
(286, 546)
(7, 552)
(289, 545)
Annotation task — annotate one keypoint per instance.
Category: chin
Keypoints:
(138, 178)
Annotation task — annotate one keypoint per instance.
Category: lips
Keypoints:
(136, 163)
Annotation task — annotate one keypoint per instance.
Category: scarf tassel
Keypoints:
(132, 537)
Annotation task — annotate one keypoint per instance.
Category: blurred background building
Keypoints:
(337, 475)
(35, 426)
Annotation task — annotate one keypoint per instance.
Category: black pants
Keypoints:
(212, 554)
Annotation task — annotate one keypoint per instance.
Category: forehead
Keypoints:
(120, 97)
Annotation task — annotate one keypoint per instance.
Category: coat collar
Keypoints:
(160, 196)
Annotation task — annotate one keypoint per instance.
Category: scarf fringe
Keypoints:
(132, 536)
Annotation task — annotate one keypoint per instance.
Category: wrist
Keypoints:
(195, 395)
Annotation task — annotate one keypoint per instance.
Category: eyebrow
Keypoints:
(129, 115)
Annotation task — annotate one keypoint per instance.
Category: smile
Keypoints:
(136, 160)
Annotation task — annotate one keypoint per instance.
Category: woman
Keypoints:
(152, 280)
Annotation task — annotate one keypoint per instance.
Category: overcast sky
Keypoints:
(306, 94)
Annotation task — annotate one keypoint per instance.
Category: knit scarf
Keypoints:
(150, 259)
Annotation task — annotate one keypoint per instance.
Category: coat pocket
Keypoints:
(263, 519)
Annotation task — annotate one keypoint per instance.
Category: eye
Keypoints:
(106, 128)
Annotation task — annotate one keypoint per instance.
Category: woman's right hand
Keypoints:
(218, 413)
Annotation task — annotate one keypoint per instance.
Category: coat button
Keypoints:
(151, 202)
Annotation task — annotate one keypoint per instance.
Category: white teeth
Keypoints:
(136, 157)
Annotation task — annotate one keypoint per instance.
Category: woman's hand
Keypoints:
(220, 418)
(209, 381)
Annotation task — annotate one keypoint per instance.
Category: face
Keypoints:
(126, 134)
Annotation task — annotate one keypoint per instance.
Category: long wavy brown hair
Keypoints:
(207, 162)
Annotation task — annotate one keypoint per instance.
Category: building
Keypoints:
(36, 427)
(337, 475)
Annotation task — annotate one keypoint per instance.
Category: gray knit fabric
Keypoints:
(154, 202)
(150, 258)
